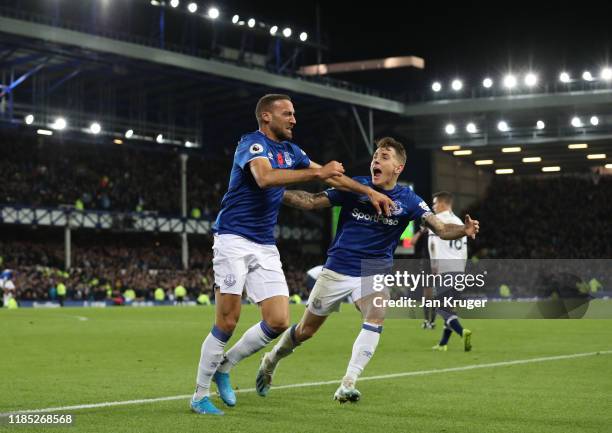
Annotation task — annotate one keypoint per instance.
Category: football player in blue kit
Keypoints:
(245, 254)
(363, 246)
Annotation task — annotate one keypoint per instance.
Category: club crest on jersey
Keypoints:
(288, 159)
(256, 148)
(398, 208)
(229, 280)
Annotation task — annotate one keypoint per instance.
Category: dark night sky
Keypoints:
(468, 38)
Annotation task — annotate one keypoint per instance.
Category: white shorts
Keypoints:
(330, 290)
(239, 262)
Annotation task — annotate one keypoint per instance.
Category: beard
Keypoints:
(281, 133)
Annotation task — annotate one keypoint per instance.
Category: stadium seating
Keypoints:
(545, 217)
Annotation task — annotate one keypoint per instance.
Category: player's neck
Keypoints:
(389, 185)
(268, 133)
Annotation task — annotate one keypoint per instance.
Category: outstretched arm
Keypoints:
(381, 202)
(267, 177)
(452, 231)
(306, 200)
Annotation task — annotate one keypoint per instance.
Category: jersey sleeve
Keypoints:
(250, 149)
(337, 197)
(340, 198)
(303, 161)
(417, 208)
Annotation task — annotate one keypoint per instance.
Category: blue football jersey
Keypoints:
(365, 241)
(246, 209)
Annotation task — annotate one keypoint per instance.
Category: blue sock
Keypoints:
(292, 334)
(456, 326)
(445, 336)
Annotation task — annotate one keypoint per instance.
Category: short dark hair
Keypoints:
(444, 196)
(392, 143)
(266, 101)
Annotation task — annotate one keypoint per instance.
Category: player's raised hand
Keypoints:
(472, 227)
(381, 202)
(331, 169)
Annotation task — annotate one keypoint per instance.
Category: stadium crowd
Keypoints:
(112, 178)
(123, 178)
(99, 177)
(561, 217)
(523, 217)
(107, 271)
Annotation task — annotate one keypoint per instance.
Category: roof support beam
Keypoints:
(173, 59)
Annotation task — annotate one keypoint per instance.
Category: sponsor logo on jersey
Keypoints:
(270, 156)
(256, 148)
(288, 159)
(279, 158)
(361, 216)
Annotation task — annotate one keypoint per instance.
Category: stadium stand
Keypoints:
(562, 217)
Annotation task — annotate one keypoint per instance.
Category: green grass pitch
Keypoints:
(56, 358)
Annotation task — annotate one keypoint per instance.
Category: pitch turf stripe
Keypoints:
(327, 382)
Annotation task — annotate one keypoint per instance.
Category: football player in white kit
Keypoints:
(448, 257)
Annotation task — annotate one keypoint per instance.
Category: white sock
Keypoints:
(284, 347)
(210, 357)
(256, 337)
(363, 350)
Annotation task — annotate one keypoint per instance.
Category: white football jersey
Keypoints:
(447, 256)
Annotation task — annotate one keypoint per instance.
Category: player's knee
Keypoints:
(227, 324)
(373, 315)
(278, 324)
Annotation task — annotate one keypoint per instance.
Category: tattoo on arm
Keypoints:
(445, 231)
(305, 200)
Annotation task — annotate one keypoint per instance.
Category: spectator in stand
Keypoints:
(545, 217)
(105, 272)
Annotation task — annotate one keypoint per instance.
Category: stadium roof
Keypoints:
(182, 91)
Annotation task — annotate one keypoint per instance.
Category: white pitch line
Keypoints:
(327, 382)
(81, 318)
